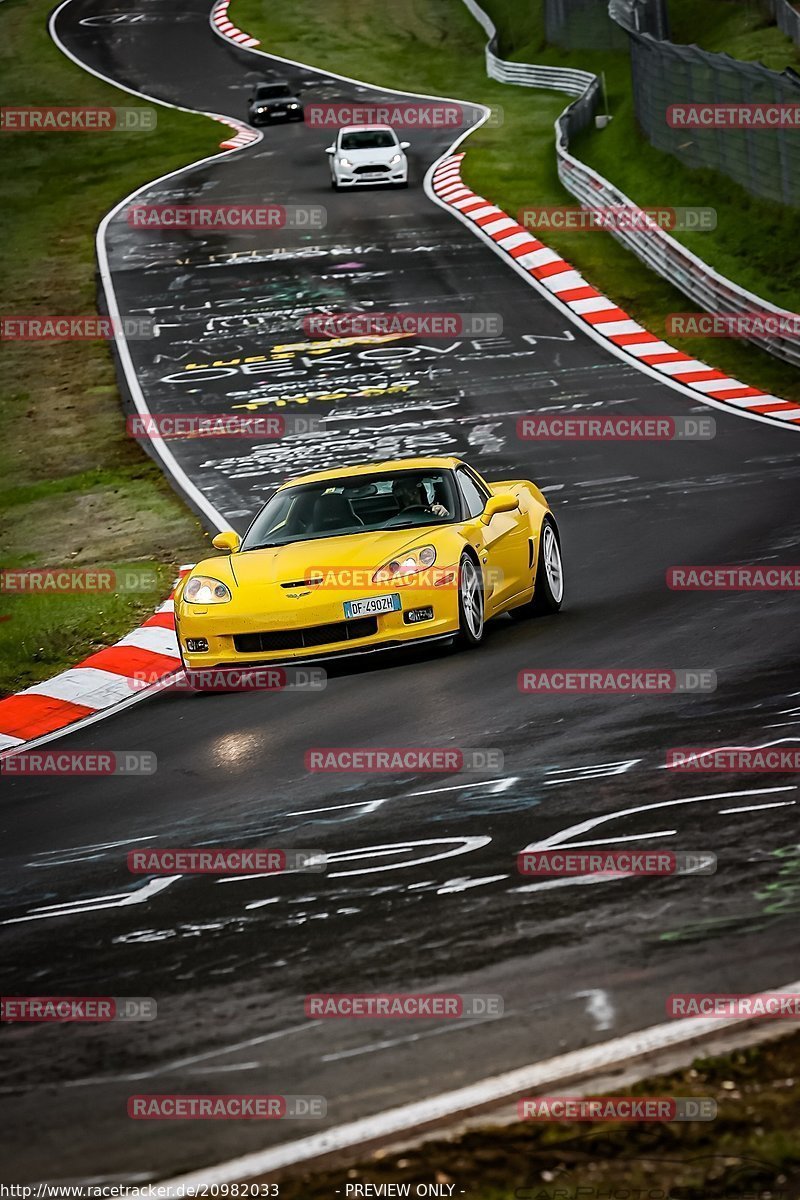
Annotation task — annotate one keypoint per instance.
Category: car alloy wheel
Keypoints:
(470, 602)
(552, 563)
(549, 586)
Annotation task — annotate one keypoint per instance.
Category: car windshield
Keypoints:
(273, 91)
(368, 139)
(354, 504)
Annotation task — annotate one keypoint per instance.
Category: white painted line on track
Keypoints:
(494, 1090)
(756, 807)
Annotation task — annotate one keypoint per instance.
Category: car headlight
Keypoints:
(294, 106)
(345, 162)
(202, 589)
(398, 158)
(405, 565)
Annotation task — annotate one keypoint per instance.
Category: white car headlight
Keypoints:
(202, 589)
(398, 158)
(345, 162)
(405, 565)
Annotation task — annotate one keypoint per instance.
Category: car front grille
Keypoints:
(301, 639)
(370, 170)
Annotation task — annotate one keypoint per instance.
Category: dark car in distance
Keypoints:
(274, 102)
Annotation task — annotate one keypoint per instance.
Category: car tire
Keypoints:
(180, 653)
(471, 607)
(334, 185)
(548, 594)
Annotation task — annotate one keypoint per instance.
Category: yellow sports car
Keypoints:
(369, 558)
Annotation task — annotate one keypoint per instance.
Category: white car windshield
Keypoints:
(354, 504)
(368, 139)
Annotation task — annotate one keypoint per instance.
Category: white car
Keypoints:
(367, 154)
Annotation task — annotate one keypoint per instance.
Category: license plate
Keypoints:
(279, 112)
(371, 606)
(373, 175)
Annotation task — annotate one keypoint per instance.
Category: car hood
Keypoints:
(360, 553)
(380, 154)
(274, 102)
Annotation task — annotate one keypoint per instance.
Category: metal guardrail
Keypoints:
(787, 17)
(559, 79)
(654, 247)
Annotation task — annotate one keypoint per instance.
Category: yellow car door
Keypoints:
(503, 543)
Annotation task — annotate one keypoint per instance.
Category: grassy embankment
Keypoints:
(75, 489)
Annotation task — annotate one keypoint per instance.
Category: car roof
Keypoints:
(447, 463)
(366, 129)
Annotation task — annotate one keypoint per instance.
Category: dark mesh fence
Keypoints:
(642, 16)
(662, 253)
(582, 25)
(765, 161)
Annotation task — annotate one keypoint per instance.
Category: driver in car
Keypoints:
(410, 493)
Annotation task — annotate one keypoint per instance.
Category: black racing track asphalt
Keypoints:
(439, 905)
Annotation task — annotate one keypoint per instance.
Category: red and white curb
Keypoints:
(243, 134)
(100, 682)
(224, 25)
(567, 286)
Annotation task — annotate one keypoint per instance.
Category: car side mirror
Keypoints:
(228, 540)
(503, 502)
(404, 145)
(330, 149)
